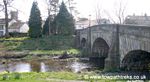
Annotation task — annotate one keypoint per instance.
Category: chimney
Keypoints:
(14, 15)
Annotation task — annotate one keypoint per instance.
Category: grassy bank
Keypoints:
(49, 45)
(50, 77)
(38, 77)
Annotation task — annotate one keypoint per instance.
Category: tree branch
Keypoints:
(110, 17)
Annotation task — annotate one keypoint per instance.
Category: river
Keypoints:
(46, 65)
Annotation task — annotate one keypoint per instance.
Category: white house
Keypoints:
(85, 22)
(14, 25)
(138, 20)
(2, 27)
(18, 26)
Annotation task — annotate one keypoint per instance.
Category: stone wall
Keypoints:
(130, 37)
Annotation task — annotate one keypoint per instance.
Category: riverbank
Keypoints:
(50, 77)
(61, 74)
(38, 77)
(59, 77)
(45, 46)
(39, 54)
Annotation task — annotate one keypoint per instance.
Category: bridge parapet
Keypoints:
(132, 30)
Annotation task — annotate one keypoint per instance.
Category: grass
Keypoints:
(57, 52)
(14, 39)
(50, 77)
(39, 77)
(56, 44)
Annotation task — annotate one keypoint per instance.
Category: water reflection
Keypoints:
(45, 66)
(21, 67)
(35, 66)
(78, 66)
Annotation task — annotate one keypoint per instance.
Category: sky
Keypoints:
(108, 8)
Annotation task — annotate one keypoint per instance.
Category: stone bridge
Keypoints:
(125, 46)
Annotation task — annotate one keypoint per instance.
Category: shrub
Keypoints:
(17, 34)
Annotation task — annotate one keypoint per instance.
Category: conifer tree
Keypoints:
(46, 28)
(35, 29)
(64, 22)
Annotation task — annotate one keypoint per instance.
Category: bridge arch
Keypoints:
(83, 43)
(136, 60)
(100, 50)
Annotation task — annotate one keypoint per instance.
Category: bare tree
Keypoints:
(98, 11)
(4, 6)
(120, 12)
(109, 16)
(52, 10)
(70, 5)
(72, 8)
(6, 3)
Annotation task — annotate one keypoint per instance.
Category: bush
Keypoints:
(5, 77)
(17, 76)
(17, 34)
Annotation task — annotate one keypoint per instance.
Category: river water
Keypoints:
(46, 65)
(49, 65)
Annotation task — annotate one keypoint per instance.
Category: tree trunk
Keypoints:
(6, 19)
(49, 22)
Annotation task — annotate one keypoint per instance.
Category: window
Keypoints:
(1, 27)
(1, 33)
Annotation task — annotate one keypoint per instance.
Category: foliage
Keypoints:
(17, 34)
(46, 27)
(73, 52)
(52, 7)
(35, 24)
(13, 39)
(63, 23)
(49, 45)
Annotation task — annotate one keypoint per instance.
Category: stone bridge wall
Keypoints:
(129, 38)
(133, 38)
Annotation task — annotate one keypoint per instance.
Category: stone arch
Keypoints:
(136, 60)
(83, 43)
(100, 50)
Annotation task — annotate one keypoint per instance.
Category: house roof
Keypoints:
(16, 25)
(2, 21)
(139, 20)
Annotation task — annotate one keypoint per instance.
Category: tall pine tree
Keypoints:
(64, 22)
(35, 22)
(46, 28)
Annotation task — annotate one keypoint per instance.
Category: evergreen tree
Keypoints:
(35, 22)
(64, 22)
(46, 30)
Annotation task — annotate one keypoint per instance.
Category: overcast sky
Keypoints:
(88, 7)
